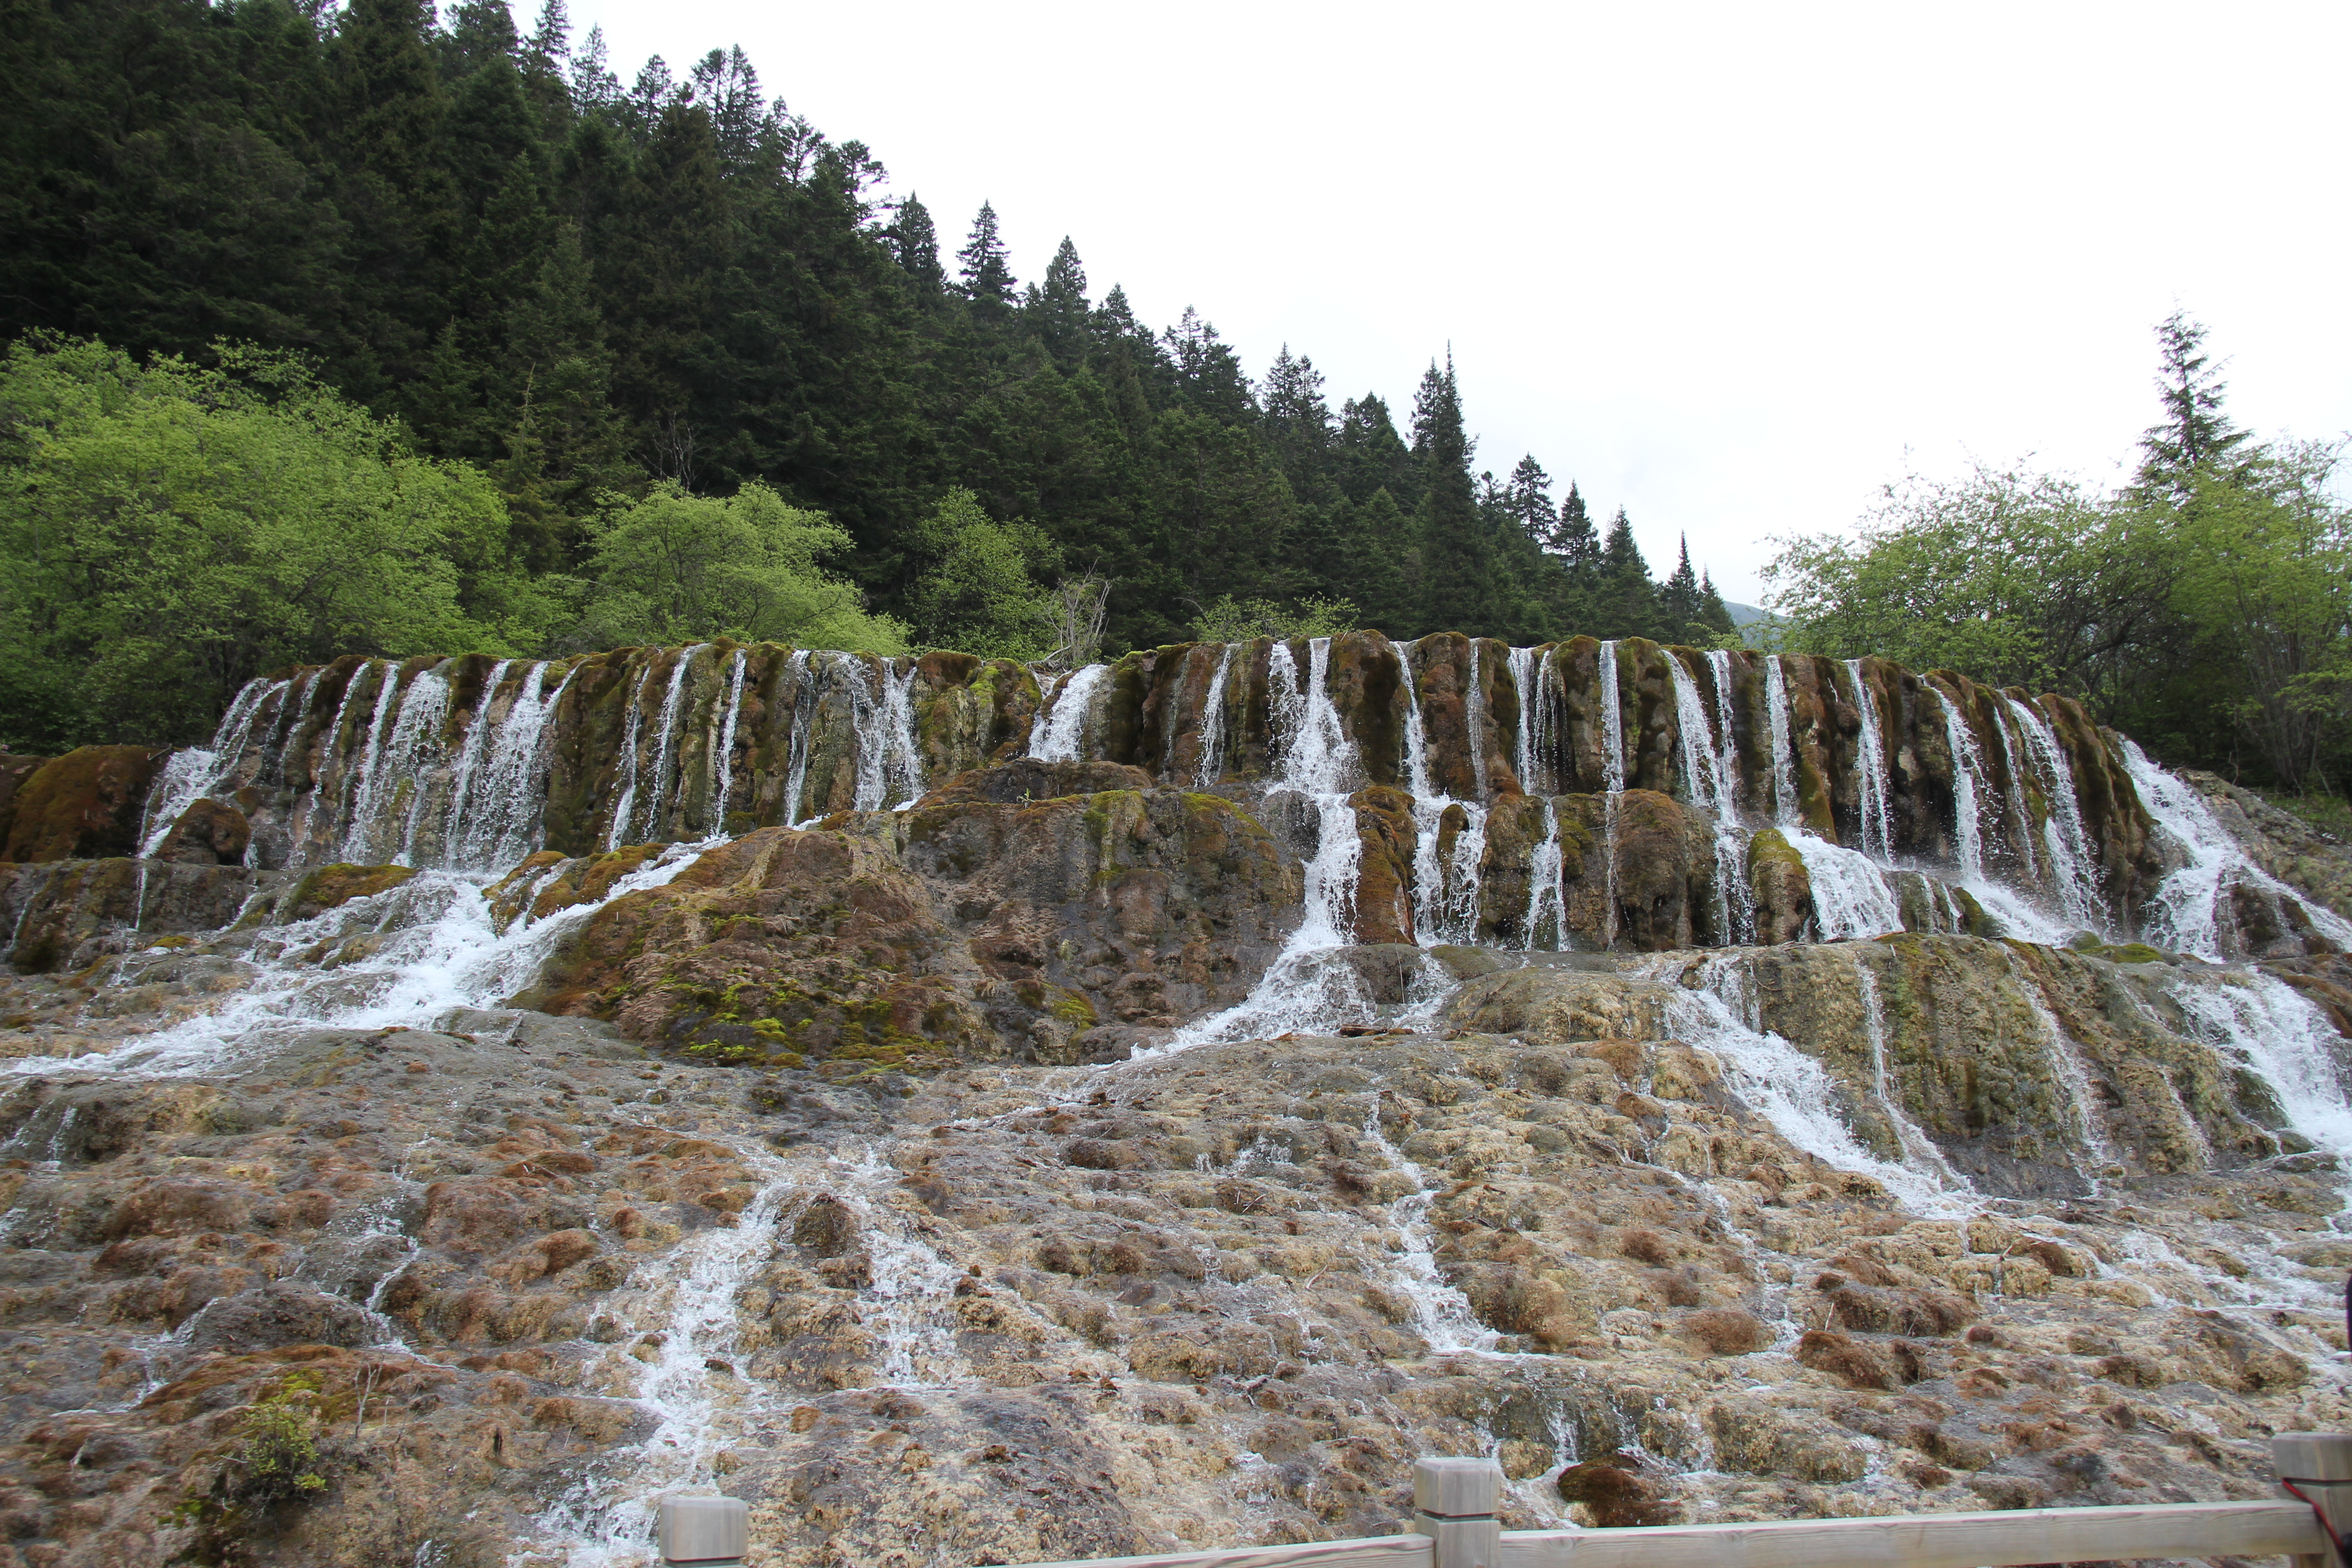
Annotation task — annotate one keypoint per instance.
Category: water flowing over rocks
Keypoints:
(980, 1114)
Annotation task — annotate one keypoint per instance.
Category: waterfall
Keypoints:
(1969, 788)
(1871, 789)
(415, 712)
(2187, 911)
(1304, 989)
(1852, 899)
(1547, 885)
(1060, 732)
(416, 741)
(803, 684)
(1613, 781)
(290, 709)
(470, 757)
(625, 808)
(888, 766)
(1530, 675)
(1417, 740)
(1919, 1150)
(1440, 1314)
(1431, 916)
(2065, 838)
(496, 822)
(2066, 1067)
(723, 764)
(2276, 1032)
(195, 771)
(1474, 724)
(441, 948)
(1783, 1085)
(2020, 810)
(1453, 904)
(1210, 766)
(656, 828)
(1711, 788)
(1785, 805)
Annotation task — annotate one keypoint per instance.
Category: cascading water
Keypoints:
(803, 680)
(2066, 1067)
(359, 799)
(1613, 781)
(625, 808)
(889, 772)
(1532, 675)
(1440, 1314)
(1546, 889)
(1061, 728)
(194, 773)
(438, 946)
(1919, 1150)
(395, 762)
(722, 761)
(910, 1297)
(416, 742)
(2273, 1029)
(2020, 810)
(1474, 725)
(1969, 786)
(1212, 723)
(1785, 812)
(2072, 864)
(471, 754)
(496, 822)
(1304, 988)
(1783, 1085)
(2190, 905)
(608, 1517)
(1713, 789)
(664, 740)
(1429, 804)
(1872, 794)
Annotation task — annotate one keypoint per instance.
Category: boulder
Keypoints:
(83, 805)
(209, 833)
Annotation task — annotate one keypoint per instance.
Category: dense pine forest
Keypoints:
(382, 329)
(623, 314)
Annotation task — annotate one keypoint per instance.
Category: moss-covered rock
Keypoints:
(83, 805)
(1781, 887)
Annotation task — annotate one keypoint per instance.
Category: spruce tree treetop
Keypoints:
(1573, 538)
(1058, 311)
(915, 240)
(1527, 497)
(988, 280)
(2194, 431)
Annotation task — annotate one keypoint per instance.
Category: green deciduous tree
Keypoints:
(676, 567)
(168, 532)
(980, 591)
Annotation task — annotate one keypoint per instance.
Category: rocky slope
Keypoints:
(928, 1177)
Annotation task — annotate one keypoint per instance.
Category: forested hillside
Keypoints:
(594, 294)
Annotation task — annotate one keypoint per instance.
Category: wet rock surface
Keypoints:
(1222, 1296)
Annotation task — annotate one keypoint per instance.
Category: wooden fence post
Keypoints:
(1453, 1503)
(2320, 1466)
(709, 1531)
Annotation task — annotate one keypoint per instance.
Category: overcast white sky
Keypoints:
(1732, 267)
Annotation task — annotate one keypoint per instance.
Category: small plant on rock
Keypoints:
(278, 1458)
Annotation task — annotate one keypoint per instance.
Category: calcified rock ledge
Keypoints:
(917, 1164)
